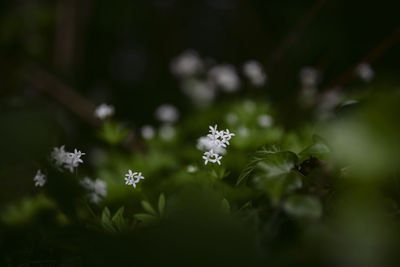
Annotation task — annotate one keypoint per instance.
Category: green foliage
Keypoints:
(113, 133)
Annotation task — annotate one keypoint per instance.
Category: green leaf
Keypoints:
(147, 207)
(277, 164)
(225, 207)
(105, 220)
(118, 219)
(275, 174)
(318, 149)
(302, 206)
(161, 204)
(259, 155)
(278, 186)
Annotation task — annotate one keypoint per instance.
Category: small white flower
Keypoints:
(167, 113)
(202, 93)
(104, 111)
(59, 155)
(225, 77)
(231, 118)
(187, 64)
(365, 72)
(254, 71)
(243, 131)
(39, 179)
(215, 142)
(97, 189)
(167, 132)
(65, 159)
(264, 120)
(204, 143)
(132, 178)
(191, 169)
(211, 156)
(147, 132)
(73, 159)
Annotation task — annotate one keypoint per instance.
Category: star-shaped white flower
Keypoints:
(39, 179)
(132, 178)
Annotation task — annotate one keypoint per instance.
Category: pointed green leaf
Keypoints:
(146, 218)
(318, 149)
(161, 204)
(147, 207)
(302, 206)
(225, 207)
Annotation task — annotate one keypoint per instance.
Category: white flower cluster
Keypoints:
(97, 189)
(167, 113)
(202, 79)
(132, 178)
(68, 160)
(217, 140)
(39, 179)
(104, 111)
(225, 77)
(254, 71)
(186, 64)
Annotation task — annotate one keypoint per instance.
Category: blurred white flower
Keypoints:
(225, 77)
(167, 113)
(231, 118)
(39, 179)
(309, 77)
(186, 64)
(104, 111)
(215, 142)
(167, 132)
(59, 155)
(132, 178)
(204, 143)
(73, 159)
(68, 160)
(254, 71)
(191, 169)
(264, 120)
(147, 132)
(243, 131)
(365, 72)
(202, 93)
(97, 189)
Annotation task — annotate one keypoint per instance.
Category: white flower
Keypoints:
(167, 113)
(59, 155)
(254, 71)
(104, 111)
(97, 189)
(147, 132)
(167, 132)
(187, 64)
(365, 72)
(225, 77)
(243, 131)
(309, 77)
(264, 120)
(191, 169)
(73, 159)
(202, 93)
(39, 179)
(132, 178)
(65, 159)
(211, 156)
(204, 143)
(215, 143)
